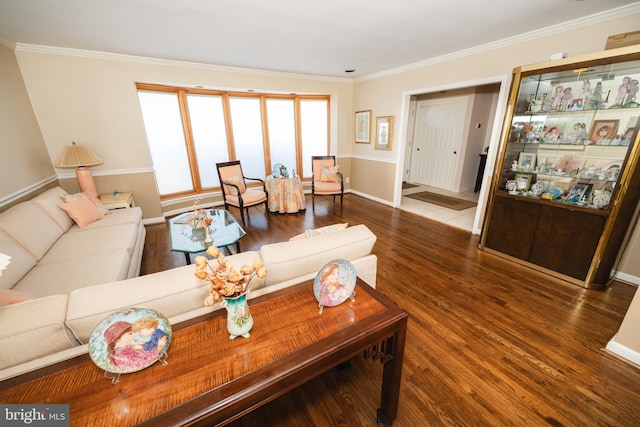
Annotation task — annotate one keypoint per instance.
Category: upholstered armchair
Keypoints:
(235, 191)
(327, 181)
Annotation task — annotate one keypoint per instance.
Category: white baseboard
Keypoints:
(627, 278)
(623, 351)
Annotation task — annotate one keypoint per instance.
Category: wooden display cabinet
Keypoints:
(567, 181)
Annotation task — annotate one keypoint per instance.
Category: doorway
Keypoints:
(437, 137)
(447, 129)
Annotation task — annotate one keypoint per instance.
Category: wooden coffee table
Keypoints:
(212, 380)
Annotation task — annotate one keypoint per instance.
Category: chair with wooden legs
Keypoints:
(327, 181)
(235, 191)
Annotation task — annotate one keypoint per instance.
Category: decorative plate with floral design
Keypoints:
(335, 283)
(130, 340)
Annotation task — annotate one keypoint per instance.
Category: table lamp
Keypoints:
(80, 157)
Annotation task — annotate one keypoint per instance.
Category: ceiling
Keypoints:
(322, 38)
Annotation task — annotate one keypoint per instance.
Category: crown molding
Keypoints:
(608, 15)
(108, 56)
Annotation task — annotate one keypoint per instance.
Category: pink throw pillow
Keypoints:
(89, 195)
(319, 231)
(82, 211)
(10, 296)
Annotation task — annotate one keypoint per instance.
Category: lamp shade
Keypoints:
(76, 155)
(79, 157)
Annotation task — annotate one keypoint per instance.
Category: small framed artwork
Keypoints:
(552, 134)
(575, 105)
(363, 127)
(627, 136)
(527, 161)
(523, 182)
(580, 192)
(384, 132)
(603, 130)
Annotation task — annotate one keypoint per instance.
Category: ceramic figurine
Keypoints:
(566, 98)
(556, 99)
(623, 90)
(630, 99)
(596, 101)
(586, 94)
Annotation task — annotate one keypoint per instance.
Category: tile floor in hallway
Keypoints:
(461, 219)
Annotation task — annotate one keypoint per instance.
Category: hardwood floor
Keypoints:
(489, 342)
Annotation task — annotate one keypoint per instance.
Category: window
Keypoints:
(190, 130)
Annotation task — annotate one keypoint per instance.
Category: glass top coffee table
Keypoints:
(224, 230)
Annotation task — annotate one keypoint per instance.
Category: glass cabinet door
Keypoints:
(570, 134)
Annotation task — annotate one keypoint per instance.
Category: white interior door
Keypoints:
(438, 130)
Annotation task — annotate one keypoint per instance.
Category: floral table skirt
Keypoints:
(285, 194)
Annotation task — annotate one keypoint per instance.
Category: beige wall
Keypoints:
(385, 94)
(24, 160)
(92, 99)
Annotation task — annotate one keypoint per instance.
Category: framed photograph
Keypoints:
(363, 127)
(627, 136)
(602, 130)
(579, 192)
(527, 161)
(384, 132)
(523, 182)
(552, 134)
(575, 105)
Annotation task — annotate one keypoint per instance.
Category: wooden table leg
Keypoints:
(391, 379)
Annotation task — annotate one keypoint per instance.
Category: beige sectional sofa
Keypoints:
(39, 332)
(51, 255)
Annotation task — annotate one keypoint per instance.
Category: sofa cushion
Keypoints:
(21, 261)
(49, 201)
(171, 292)
(287, 260)
(65, 275)
(33, 329)
(27, 224)
(92, 241)
(82, 211)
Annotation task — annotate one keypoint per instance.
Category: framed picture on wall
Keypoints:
(363, 127)
(384, 133)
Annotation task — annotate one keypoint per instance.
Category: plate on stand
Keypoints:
(335, 283)
(130, 340)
